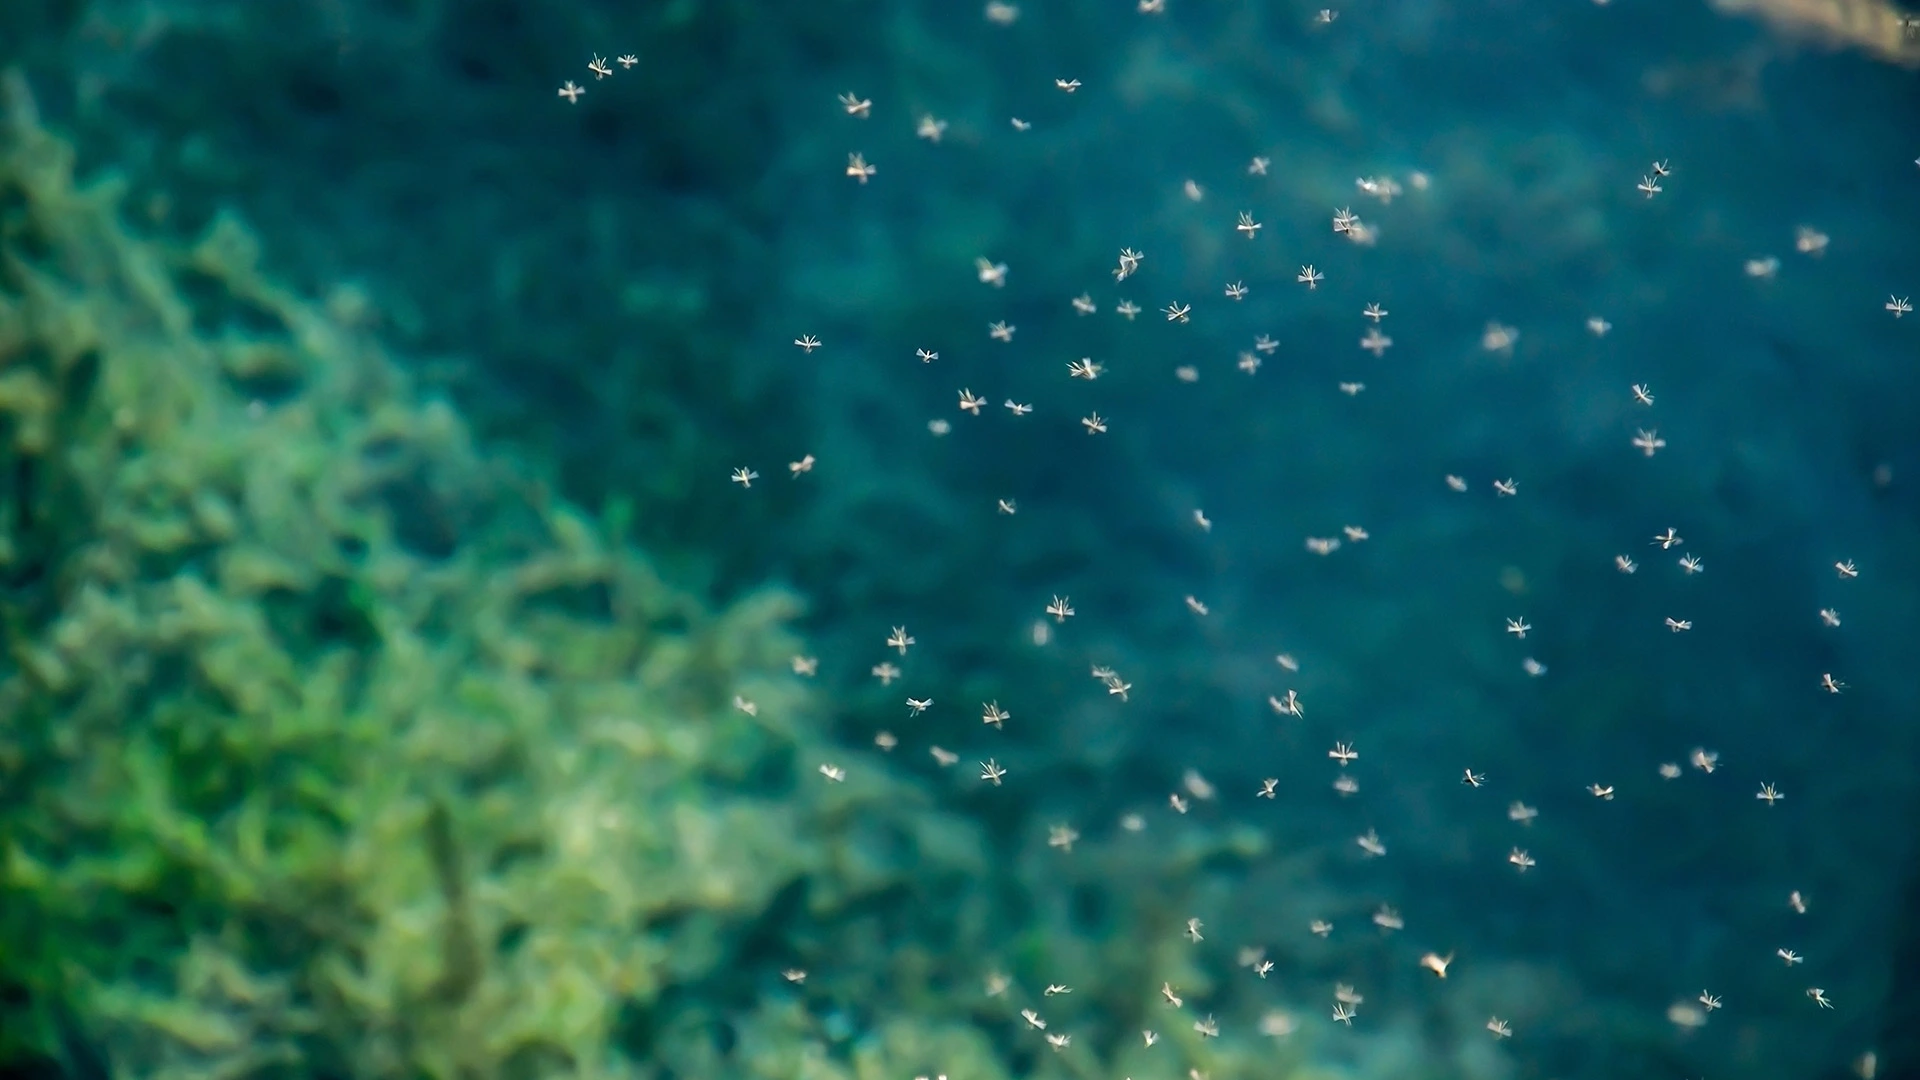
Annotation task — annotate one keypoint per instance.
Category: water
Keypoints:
(400, 684)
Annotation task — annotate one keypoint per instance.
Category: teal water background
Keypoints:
(612, 287)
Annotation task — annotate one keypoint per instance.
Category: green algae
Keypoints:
(329, 743)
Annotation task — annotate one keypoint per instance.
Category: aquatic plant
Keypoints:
(332, 744)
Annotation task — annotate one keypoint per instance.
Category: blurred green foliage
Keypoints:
(328, 744)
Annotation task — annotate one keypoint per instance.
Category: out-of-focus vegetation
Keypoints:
(327, 742)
